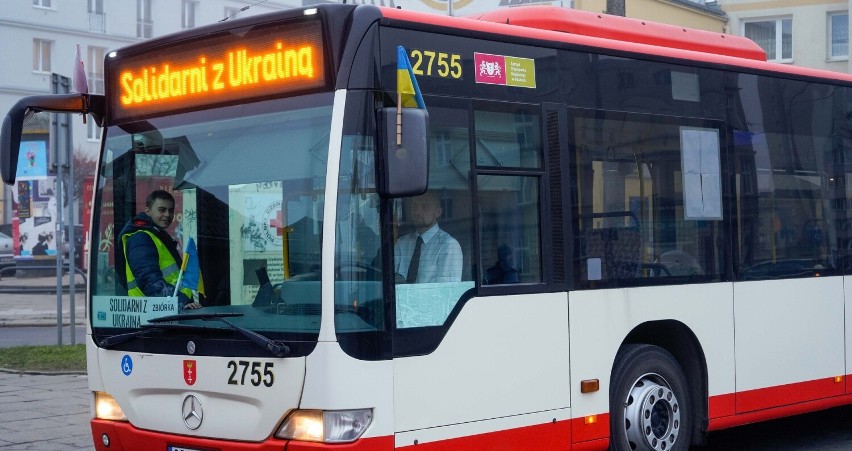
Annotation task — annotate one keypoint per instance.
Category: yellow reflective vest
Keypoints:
(168, 266)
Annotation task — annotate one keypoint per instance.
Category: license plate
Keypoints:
(181, 448)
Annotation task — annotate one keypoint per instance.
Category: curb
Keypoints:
(42, 373)
(46, 289)
(37, 323)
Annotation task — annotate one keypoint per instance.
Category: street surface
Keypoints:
(827, 430)
(51, 412)
(39, 336)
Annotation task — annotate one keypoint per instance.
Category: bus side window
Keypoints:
(509, 171)
(509, 229)
(640, 213)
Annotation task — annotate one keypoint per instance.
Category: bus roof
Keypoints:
(625, 29)
(616, 33)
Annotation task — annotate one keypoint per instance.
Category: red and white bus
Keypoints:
(654, 228)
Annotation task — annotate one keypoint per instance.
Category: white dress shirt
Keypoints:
(441, 257)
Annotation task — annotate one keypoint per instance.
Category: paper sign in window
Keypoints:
(702, 178)
(685, 86)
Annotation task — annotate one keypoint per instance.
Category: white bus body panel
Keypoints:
(789, 331)
(336, 381)
(153, 393)
(503, 357)
(410, 438)
(601, 319)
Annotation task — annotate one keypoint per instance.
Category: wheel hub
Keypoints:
(651, 415)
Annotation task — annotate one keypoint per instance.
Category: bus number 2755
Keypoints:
(261, 373)
(431, 63)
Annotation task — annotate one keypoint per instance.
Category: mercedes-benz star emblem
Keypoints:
(192, 412)
(190, 347)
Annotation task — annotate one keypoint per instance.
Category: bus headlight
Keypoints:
(329, 426)
(106, 408)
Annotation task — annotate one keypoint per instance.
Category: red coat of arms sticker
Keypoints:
(490, 69)
(189, 371)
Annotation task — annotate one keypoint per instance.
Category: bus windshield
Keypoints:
(248, 185)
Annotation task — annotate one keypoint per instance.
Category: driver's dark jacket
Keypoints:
(143, 258)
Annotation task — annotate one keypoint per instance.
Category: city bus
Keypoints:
(653, 225)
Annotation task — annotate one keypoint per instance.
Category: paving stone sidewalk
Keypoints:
(44, 412)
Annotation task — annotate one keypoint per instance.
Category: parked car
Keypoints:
(5, 244)
(7, 257)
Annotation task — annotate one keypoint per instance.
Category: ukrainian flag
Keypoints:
(191, 269)
(406, 84)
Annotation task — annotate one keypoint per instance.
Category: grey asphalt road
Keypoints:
(825, 431)
(39, 336)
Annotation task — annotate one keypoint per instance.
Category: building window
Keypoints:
(41, 55)
(95, 69)
(95, 75)
(188, 9)
(97, 18)
(838, 35)
(144, 24)
(93, 131)
(774, 36)
(43, 3)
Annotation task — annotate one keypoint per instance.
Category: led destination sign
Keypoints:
(263, 62)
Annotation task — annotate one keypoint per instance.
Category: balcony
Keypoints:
(97, 22)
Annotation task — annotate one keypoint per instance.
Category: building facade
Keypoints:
(808, 33)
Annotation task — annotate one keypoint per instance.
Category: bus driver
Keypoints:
(152, 261)
(428, 254)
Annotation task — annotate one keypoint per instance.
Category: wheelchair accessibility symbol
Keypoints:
(126, 365)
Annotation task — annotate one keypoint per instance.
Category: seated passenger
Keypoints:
(429, 254)
(502, 272)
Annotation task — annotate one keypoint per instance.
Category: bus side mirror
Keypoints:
(10, 141)
(403, 169)
(23, 110)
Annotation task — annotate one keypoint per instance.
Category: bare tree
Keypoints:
(85, 166)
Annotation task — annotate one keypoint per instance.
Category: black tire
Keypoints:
(649, 403)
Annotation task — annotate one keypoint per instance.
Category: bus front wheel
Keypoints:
(650, 409)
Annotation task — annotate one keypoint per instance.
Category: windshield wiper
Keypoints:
(113, 340)
(277, 349)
